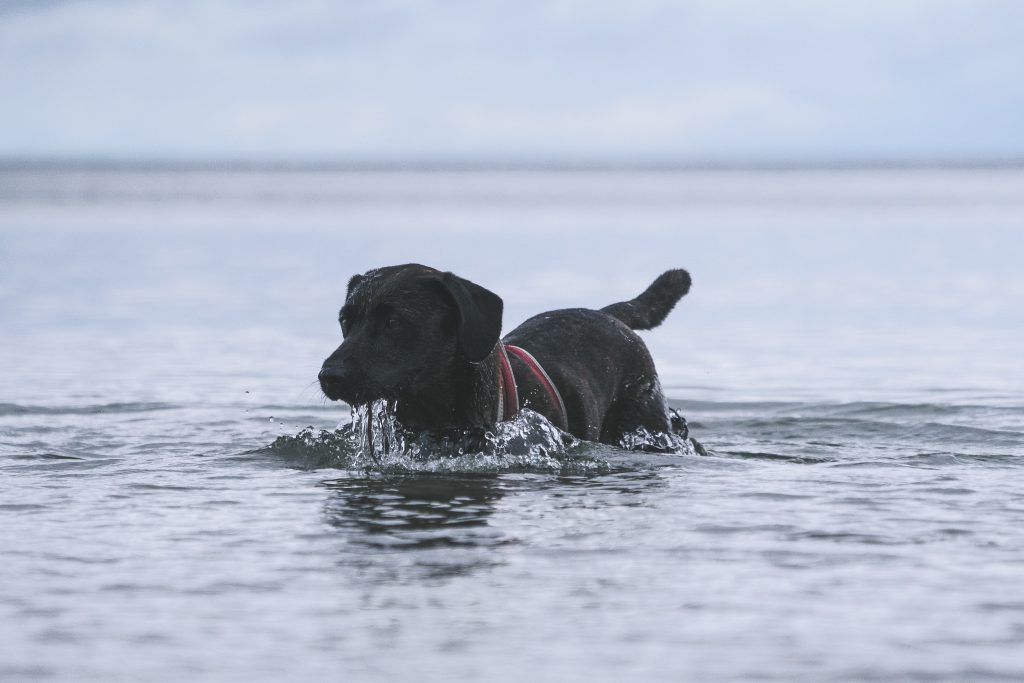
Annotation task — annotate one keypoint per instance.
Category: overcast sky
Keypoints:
(563, 80)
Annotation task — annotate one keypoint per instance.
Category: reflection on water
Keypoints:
(445, 519)
(415, 512)
(427, 527)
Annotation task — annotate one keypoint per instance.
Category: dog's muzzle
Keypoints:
(336, 383)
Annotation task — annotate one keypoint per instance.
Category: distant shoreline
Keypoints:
(496, 166)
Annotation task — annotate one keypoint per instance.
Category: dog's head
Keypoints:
(406, 329)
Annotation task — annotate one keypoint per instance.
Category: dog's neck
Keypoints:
(465, 397)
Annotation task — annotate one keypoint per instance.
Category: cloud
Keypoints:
(700, 79)
(654, 126)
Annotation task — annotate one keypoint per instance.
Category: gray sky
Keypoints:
(564, 80)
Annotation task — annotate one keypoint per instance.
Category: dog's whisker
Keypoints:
(303, 390)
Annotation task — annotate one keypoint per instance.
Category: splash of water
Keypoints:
(529, 442)
(656, 442)
(374, 441)
(378, 433)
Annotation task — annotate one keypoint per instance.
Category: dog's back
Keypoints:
(600, 365)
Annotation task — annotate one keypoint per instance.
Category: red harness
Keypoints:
(508, 392)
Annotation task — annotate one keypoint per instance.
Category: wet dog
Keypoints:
(429, 341)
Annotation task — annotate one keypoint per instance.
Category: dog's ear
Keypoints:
(352, 284)
(479, 316)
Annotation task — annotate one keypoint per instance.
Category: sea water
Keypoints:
(176, 503)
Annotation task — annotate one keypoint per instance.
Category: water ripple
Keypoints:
(7, 409)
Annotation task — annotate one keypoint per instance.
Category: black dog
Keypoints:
(429, 341)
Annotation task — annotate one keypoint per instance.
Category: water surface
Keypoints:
(850, 354)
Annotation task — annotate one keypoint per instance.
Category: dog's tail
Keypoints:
(657, 301)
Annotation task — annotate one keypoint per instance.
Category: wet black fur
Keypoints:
(427, 340)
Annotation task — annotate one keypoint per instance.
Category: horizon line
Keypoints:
(415, 164)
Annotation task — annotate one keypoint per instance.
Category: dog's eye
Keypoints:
(391, 323)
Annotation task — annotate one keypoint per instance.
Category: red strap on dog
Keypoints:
(509, 400)
(508, 392)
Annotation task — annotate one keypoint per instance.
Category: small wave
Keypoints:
(963, 434)
(865, 433)
(160, 487)
(845, 537)
(44, 456)
(7, 409)
(763, 455)
(374, 441)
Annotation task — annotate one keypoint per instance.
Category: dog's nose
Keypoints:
(332, 380)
